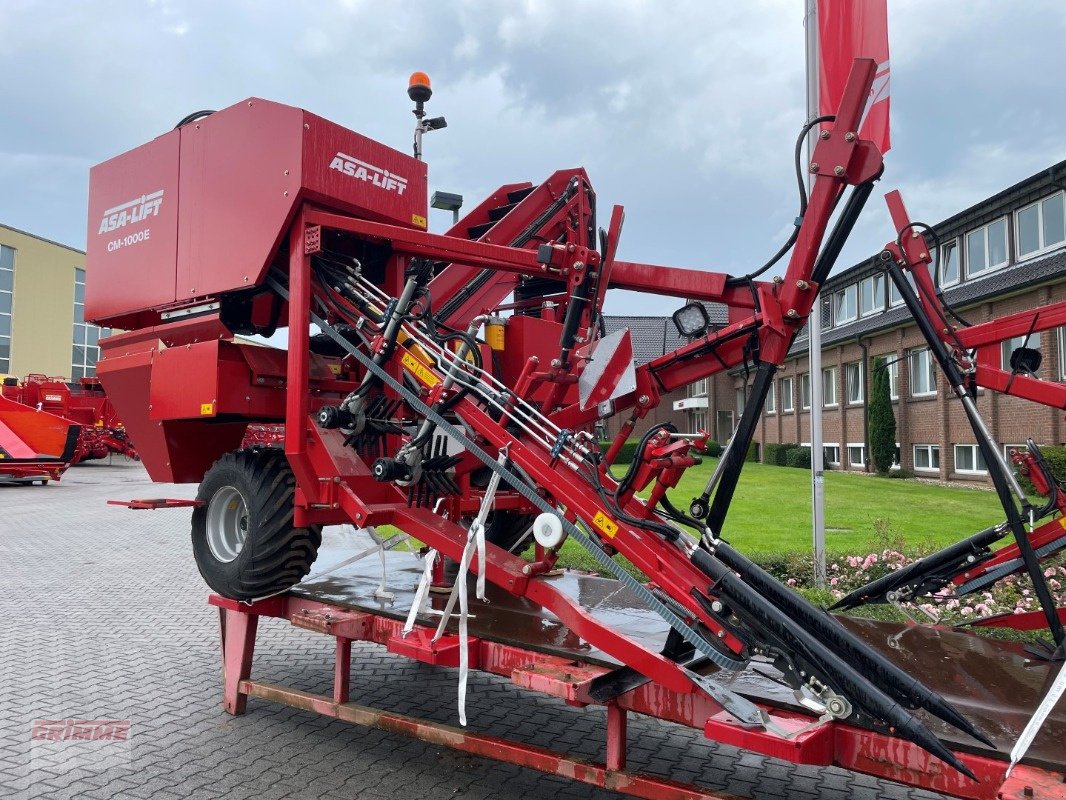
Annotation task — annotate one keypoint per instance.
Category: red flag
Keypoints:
(850, 29)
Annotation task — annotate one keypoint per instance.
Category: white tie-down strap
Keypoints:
(475, 542)
(420, 593)
(1043, 711)
(381, 593)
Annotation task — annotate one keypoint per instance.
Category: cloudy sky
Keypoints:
(684, 112)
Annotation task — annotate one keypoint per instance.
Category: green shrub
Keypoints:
(776, 453)
(901, 473)
(799, 457)
(713, 449)
(753, 452)
(1056, 460)
(882, 420)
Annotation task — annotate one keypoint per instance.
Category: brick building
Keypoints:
(1005, 254)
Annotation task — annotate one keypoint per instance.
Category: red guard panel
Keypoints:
(238, 190)
(132, 237)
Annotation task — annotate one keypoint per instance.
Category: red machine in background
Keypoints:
(448, 392)
(34, 445)
(84, 403)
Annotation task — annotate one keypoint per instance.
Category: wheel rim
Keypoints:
(227, 524)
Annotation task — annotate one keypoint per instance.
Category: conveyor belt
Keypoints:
(992, 683)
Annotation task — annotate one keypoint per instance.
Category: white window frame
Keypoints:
(878, 292)
(955, 245)
(861, 383)
(930, 450)
(911, 355)
(975, 452)
(828, 446)
(853, 291)
(771, 400)
(829, 398)
(1043, 245)
(862, 457)
(9, 337)
(988, 266)
(805, 401)
(894, 298)
(788, 400)
(1062, 353)
(893, 376)
(698, 389)
(896, 456)
(1008, 346)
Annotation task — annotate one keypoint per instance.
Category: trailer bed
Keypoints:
(993, 683)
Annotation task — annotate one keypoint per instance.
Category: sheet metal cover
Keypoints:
(611, 371)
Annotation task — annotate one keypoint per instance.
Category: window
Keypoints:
(771, 401)
(968, 458)
(7, 295)
(890, 363)
(831, 453)
(1062, 354)
(853, 372)
(1007, 348)
(923, 373)
(927, 457)
(845, 302)
(949, 263)
(895, 458)
(86, 350)
(741, 396)
(1041, 225)
(698, 389)
(786, 394)
(857, 454)
(829, 387)
(872, 295)
(894, 297)
(805, 390)
(986, 248)
(699, 420)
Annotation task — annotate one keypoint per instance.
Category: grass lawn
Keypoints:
(771, 512)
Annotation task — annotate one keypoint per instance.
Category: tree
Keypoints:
(882, 420)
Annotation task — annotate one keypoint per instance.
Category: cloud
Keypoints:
(684, 113)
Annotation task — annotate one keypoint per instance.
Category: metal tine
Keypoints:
(886, 675)
(845, 679)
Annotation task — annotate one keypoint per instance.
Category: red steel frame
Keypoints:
(912, 252)
(830, 744)
(334, 487)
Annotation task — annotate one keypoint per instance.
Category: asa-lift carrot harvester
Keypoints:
(453, 383)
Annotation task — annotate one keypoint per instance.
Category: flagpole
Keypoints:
(814, 322)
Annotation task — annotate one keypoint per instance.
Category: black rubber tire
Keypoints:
(505, 528)
(275, 555)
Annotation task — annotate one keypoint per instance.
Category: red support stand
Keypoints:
(827, 744)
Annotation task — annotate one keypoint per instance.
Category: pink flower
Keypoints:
(834, 581)
(835, 566)
(1049, 572)
(967, 611)
(870, 561)
(1054, 584)
(837, 593)
(791, 581)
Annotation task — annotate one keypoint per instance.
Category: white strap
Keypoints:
(420, 593)
(1043, 711)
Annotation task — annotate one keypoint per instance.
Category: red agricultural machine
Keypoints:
(34, 445)
(83, 403)
(450, 391)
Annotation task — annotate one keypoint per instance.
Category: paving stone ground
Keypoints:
(104, 616)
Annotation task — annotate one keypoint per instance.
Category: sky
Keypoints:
(686, 113)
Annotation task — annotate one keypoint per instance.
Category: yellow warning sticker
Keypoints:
(605, 524)
(207, 409)
(419, 370)
(419, 220)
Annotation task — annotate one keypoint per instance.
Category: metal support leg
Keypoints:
(238, 644)
(616, 737)
(342, 670)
